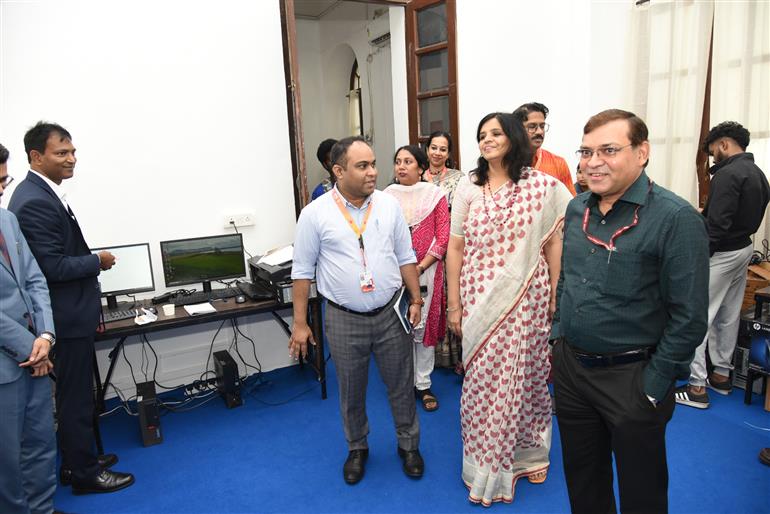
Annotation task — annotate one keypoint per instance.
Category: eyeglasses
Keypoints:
(532, 127)
(6, 180)
(606, 152)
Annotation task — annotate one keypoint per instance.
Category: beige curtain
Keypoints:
(354, 112)
(740, 83)
(667, 78)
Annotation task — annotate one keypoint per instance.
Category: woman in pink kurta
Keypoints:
(427, 214)
(503, 263)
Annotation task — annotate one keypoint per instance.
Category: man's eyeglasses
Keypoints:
(532, 127)
(6, 180)
(605, 152)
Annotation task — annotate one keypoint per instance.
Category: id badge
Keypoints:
(367, 281)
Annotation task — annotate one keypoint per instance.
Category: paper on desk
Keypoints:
(279, 256)
(147, 317)
(199, 308)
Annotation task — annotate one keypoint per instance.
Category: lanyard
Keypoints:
(359, 231)
(610, 246)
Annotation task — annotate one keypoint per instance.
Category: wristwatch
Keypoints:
(50, 338)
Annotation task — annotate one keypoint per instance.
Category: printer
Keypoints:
(268, 273)
(276, 277)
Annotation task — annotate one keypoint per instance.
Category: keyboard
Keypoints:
(118, 315)
(202, 297)
(256, 291)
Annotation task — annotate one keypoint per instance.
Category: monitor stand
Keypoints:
(206, 286)
(112, 302)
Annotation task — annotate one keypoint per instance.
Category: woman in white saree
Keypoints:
(503, 265)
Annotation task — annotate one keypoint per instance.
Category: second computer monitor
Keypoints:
(202, 259)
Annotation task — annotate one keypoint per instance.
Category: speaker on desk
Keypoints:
(228, 381)
(149, 415)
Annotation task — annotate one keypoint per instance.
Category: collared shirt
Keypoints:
(60, 193)
(652, 290)
(557, 167)
(325, 247)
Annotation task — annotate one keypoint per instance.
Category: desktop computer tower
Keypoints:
(228, 381)
(149, 414)
(752, 340)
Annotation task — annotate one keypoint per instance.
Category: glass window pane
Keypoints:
(434, 115)
(431, 25)
(434, 70)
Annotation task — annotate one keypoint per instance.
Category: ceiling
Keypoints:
(313, 9)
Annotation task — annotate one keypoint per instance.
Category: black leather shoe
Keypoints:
(353, 470)
(106, 481)
(414, 466)
(105, 461)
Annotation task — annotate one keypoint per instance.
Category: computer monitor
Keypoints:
(131, 274)
(202, 259)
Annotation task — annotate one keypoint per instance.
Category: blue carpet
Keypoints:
(271, 456)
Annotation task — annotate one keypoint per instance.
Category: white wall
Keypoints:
(567, 54)
(398, 75)
(178, 112)
(327, 49)
(311, 87)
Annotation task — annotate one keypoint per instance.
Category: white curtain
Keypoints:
(740, 80)
(667, 78)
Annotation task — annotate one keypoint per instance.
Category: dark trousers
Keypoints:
(73, 365)
(603, 411)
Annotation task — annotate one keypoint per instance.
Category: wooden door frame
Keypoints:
(293, 102)
(412, 71)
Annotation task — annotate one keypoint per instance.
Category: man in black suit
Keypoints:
(71, 270)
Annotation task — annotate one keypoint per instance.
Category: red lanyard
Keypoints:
(610, 246)
(359, 231)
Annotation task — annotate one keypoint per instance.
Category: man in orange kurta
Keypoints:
(532, 116)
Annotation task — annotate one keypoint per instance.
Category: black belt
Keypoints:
(370, 313)
(598, 360)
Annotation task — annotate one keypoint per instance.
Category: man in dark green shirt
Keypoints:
(632, 308)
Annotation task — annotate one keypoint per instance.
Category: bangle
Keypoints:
(452, 310)
(419, 301)
(420, 269)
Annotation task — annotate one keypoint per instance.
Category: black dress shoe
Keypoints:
(414, 466)
(106, 481)
(353, 470)
(105, 461)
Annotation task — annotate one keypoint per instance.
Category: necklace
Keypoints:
(507, 215)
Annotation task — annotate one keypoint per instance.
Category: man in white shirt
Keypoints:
(356, 244)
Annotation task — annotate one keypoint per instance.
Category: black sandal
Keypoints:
(428, 399)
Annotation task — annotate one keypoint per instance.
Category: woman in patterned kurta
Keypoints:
(441, 173)
(502, 269)
(427, 214)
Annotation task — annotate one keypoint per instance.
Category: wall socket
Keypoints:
(239, 220)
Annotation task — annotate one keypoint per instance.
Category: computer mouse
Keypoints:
(240, 299)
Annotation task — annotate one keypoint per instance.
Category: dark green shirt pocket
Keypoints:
(626, 274)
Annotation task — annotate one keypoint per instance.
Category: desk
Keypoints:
(123, 329)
